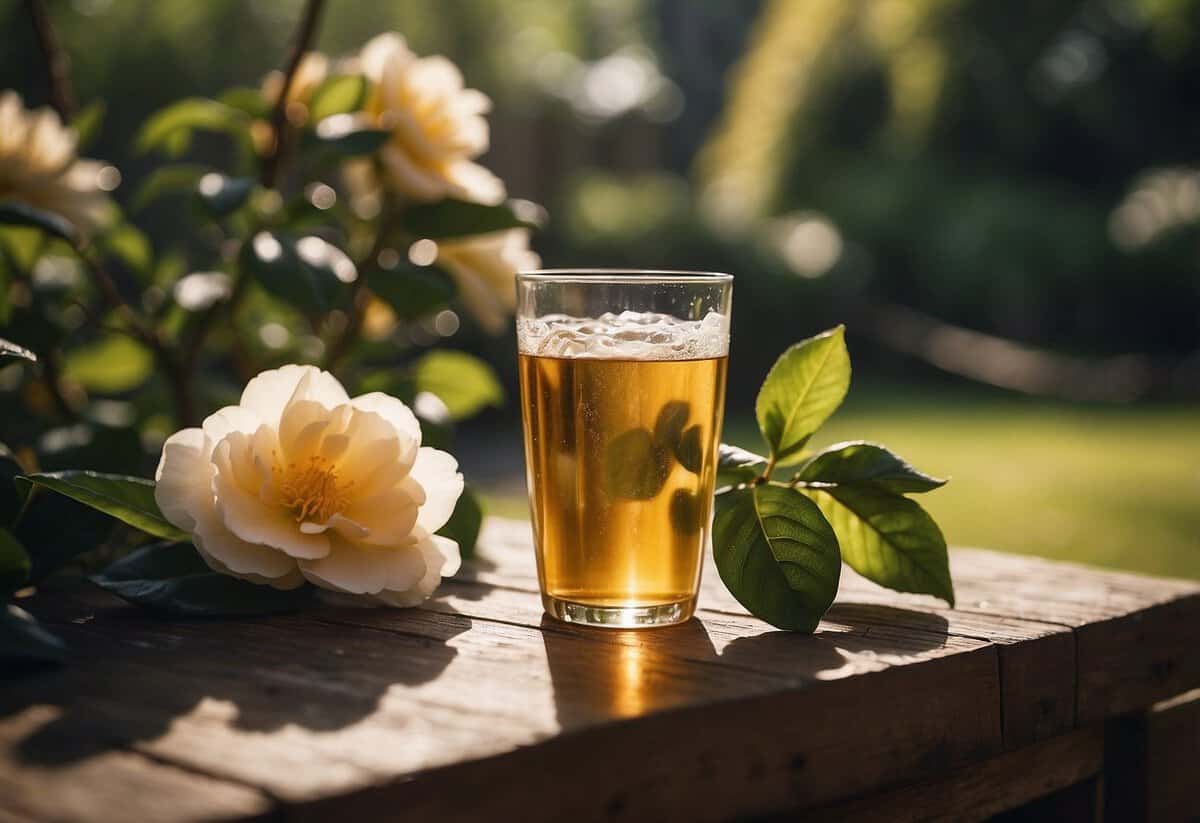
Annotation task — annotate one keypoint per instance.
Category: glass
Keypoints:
(622, 394)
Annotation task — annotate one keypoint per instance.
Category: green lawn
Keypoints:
(1112, 486)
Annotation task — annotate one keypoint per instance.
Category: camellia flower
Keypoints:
(39, 167)
(312, 72)
(484, 267)
(437, 125)
(300, 481)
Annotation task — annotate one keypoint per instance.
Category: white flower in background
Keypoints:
(437, 125)
(39, 167)
(312, 71)
(484, 267)
(300, 481)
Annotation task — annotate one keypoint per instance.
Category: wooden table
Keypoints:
(1043, 690)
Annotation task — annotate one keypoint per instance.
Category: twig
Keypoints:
(178, 378)
(193, 345)
(58, 64)
(303, 41)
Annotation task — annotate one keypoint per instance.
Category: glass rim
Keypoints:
(624, 276)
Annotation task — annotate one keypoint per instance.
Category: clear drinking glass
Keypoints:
(622, 395)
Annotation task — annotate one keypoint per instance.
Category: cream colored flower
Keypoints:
(300, 481)
(312, 72)
(484, 267)
(438, 126)
(38, 166)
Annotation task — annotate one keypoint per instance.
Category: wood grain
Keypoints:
(476, 704)
(1037, 659)
(977, 793)
(111, 785)
(1172, 756)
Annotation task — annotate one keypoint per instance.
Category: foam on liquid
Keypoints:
(629, 335)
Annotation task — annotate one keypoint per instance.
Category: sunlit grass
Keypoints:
(1115, 487)
(1110, 486)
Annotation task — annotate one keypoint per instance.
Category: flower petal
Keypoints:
(441, 558)
(226, 553)
(183, 479)
(399, 415)
(268, 393)
(226, 420)
(381, 49)
(246, 516)
(355, 569)
(437, 472)
(388, 518)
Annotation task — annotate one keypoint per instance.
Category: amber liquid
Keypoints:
(621, 458)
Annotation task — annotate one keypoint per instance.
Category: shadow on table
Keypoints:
(130, 677)
(599, 674)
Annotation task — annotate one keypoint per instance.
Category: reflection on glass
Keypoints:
(622, 391)
(619, 466)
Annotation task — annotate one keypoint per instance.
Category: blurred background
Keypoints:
(1000, 200)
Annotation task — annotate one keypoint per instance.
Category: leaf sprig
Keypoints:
(779, 543)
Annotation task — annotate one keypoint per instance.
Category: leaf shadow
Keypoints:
(130, 677)
(628, 672)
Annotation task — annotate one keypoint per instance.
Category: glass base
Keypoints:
(620, 617)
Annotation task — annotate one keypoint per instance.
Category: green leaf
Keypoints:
(888, 539)
(178, 177)
(464, 524)
(24, 640)
(129, 499)
(248, 100)
(777, 555)
(309, 273)
(636, 465)
(805, 386)
(13, 213)
(114, 363)
(87, 123)
(54, 529)
(344, 135)
(464, 383)
(14, 564)
(130, 245)
(412, 292)
(11, 349)
(671, 435)
(860, 462)
(172, 578)
(170, 128)
(220, 194)
(459, 218)
(338, 95)
(735, 465)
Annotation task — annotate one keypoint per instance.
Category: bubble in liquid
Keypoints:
(629, 335)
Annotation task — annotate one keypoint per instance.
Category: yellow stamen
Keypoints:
(311, 491)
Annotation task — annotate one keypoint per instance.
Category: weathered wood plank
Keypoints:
(980, 791)
(448, 709)
(1152, 762)
(1173, 758)
(112, 785)
(1037, 659)
(1108, 641)
(737, 758)
(305, 708)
